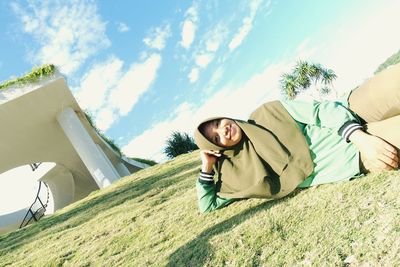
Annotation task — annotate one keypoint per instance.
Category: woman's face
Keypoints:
(222, 132)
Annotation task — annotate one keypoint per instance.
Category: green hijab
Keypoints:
(269, 162)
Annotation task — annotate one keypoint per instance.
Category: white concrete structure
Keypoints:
(91, 154)
(44, 123)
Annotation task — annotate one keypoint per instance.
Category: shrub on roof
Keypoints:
(37, 74)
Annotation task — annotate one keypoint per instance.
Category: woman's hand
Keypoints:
(208, 159)
(376, 154)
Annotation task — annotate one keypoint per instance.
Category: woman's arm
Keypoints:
(328, 114)
(208, 200)
(375, 153)
(207, 197)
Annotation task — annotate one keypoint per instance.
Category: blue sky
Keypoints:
(147, 68)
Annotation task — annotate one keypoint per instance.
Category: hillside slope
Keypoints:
(392, 60)
(151, 219)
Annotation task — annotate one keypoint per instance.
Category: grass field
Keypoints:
(151, 219)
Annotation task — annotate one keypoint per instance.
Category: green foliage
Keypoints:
(179, 143)
(108, 140)
(301, 77)
(392, 60)
(145, 161)
(35, 75)
(289, 85)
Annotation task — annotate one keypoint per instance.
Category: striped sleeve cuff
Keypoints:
(206, 178)
(348, 128)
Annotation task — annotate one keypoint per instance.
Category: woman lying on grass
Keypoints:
(291, 144)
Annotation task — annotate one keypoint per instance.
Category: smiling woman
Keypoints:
(291, 144)
(224, 132)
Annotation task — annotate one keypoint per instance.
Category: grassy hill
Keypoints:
(393, 59)
(151, 219)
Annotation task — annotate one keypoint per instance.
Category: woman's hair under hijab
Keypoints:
(202, 128)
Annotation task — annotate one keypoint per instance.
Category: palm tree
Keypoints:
(301, 77)
(328, 76)
(289, 85)
(316, 71)
(302, 72)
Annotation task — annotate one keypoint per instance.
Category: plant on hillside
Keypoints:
(303, 75)
(146, 161)
(179, 143)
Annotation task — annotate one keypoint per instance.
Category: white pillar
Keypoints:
(122, 169)
(86, 148)
(108, 161)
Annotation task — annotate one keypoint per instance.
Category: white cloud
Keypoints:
(189, 27)
(203, 60)
(109, 92)
(354, 54)
(226, 102)
(215, 37)
(134, 83)
(158, 37)
(204, 56)
(152, 141)
(188, 32)
(105, 118)
(97, 83)
(68, 33)
(122, 27)
(215, 79)
(194, 75)
(212, 46)
(246, 26)
(238, 101)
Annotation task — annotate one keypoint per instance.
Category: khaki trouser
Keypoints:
(377, 101)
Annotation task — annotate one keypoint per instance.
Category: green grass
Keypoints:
(35, 75)
(151, 219)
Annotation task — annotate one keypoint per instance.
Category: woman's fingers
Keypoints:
(389, 159)
(208, 159)
(377, 166)
(386, 155)
(390, 149)
(213, 153)
(390, 156)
